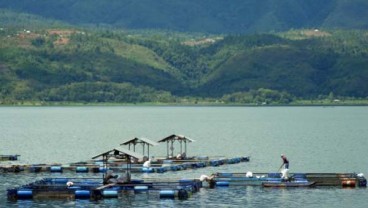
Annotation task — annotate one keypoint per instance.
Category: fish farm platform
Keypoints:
(93, 189)
(351, 180)
(97, 167)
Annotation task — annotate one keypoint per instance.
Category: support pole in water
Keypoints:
(181, 147)
(148, 151)
(104, 165)
(172, 148)
(185, 143)
(167, 148)
(144, 149)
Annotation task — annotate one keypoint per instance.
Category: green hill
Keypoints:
(309, 67)
(63, 63)
(210, 16)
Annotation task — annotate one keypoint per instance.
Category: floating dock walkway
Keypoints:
(351, 180)
(97, 167)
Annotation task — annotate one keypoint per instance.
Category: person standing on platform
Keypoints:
(285, 162)
(285, 171)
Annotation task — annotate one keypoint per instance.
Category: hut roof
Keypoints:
(140, 140)
(121, 151)
(177, 138)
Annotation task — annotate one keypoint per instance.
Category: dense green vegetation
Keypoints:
(308, 67)
(210, 16)
(45, 61)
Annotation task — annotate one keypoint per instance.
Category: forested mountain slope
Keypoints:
(211, 16)
(46, 60)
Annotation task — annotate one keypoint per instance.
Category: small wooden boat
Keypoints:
(8, 157)
(286, 184)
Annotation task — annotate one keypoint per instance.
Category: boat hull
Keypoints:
(288, 184)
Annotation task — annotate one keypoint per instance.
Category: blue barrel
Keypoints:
(110, 193)
(174, 168)
(214, 163)
(183, 194)
(185, 187)
(56, 169)
(81, 169)
(186, 182)
(198, 165)
(197, 185)
(25, 194)
(82, 194)
(12, 194)
(138, 189)
(102, 169)
(186, 165)
(362, 182)
(147, 170)
(222, 183)
(160, 170)
(167, 194)
(60, 180)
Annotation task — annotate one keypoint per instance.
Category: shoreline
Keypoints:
(188, 104)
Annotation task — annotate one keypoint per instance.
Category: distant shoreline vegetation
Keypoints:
(197, 102)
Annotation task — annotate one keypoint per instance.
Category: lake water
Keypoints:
(315, 139)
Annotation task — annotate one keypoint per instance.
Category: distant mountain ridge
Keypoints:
(209, 16)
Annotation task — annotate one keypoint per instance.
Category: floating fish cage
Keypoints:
(97, 167)
(351, 180)
(93, 189)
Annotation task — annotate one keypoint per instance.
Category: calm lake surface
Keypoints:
(315, 139)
